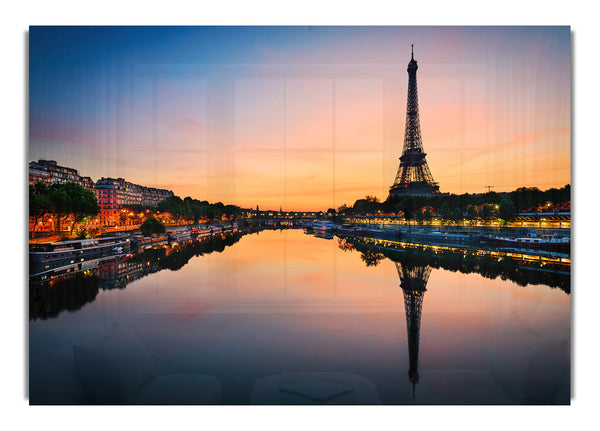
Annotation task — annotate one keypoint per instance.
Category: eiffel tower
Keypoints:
(413, 279)
(413, 176)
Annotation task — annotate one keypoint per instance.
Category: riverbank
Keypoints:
(467, 230)
(51, 259)
(122, 231)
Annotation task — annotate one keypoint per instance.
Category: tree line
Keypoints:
(62, 201)
(190, 209)
(464, 261)
(471, 206)
(194, 210)
(70, 201)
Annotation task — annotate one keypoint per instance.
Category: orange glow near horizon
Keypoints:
(310, 127)
(307, 276)
(303, 151)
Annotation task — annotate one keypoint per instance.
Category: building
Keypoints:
(37, 175)
(152, 196)
(49, 172)
(114, 194)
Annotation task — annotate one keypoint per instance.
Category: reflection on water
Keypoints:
(282, 317)
(524, 269)
(70, 292)
(413, 280)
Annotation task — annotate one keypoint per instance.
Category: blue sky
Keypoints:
(196, 109)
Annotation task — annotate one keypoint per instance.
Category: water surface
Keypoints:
(283, 317)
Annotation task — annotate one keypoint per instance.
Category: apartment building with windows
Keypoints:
(113, 194)
(50, 172)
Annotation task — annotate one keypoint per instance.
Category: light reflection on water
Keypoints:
(284, 317)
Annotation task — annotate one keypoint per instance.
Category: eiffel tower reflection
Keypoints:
(413, 280)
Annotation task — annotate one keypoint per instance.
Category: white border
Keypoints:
(578, 14)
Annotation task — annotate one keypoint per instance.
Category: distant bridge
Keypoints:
(279, 219)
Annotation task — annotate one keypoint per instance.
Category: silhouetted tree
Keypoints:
(371, 258)
(343, 209)
(39, 202)
(471, 212)
(457, 215)
(445, 211)
(152, 226)
(63, 200)
(507, 209)
(485, 212)
(407, 205)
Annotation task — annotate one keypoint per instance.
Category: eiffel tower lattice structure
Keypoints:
(413, 281)
(413, 176)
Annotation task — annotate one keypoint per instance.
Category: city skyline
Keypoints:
(305, 118)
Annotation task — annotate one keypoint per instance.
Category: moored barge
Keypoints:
(543, 242)
(46, 257)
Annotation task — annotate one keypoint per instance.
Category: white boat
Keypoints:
(42, 253)
(543, 242)
(65, 256)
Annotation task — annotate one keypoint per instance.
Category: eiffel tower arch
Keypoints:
(413, 176)
(413, 281)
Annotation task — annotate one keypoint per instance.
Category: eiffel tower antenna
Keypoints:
(413, 176)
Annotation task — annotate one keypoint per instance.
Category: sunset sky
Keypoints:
(305, 118)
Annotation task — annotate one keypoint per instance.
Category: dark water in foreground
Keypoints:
(282, 317)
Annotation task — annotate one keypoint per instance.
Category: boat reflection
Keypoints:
(514, 265)
(290, 319)
(511, 375)
(49, 297)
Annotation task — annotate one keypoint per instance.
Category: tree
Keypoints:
(215, 211)
(427, 214)
(342, 209)
(370, 204)
(152, 226)
(485, 212)
(471, 212)
(173, 205)
(360, 206)
(419, 215)
(66, 200)
(445, 211)
(507, 209)
(527, 198)
(83, 202)
(371, 258)
(457, 214)
(408, 207)
(231, 211)
(61, 202)
(39, 202)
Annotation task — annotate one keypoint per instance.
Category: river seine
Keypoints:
(284, 317)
